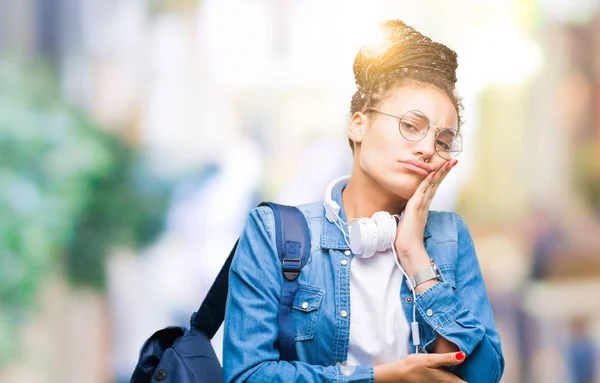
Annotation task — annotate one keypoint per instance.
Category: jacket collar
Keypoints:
(331, 235)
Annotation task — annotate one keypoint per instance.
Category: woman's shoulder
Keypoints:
(313, 213)
(310, 211)
(443, 225)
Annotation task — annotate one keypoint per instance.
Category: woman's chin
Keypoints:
(404, 185)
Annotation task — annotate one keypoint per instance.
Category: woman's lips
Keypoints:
(415, 168)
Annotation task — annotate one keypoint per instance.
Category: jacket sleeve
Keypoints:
(251, 331)
(463, 315)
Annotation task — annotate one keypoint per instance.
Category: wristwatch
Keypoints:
(432, 272)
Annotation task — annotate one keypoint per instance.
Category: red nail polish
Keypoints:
(455, 161)
(447, 165)
(433, 174)
(460, 355)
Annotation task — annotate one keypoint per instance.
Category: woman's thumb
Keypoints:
(448, 359)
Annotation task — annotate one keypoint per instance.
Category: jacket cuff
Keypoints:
(355, 374)
(442, 312)
(438, 304)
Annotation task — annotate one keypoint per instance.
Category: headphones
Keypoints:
(367, 235)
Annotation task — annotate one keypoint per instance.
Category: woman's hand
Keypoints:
(409, 236)
(420, 368)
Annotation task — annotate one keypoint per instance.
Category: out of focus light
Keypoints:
(501, 55)
(375, 39)
(580, 11)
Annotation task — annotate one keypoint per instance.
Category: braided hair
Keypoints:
(404, 57)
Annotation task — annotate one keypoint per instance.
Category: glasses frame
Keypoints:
(429, 125)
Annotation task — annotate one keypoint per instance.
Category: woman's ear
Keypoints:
(357, 127)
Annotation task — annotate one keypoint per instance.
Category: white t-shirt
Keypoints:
(379, 330)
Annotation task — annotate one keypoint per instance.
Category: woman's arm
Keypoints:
(420, 368)
(463, 316)
(251, 332)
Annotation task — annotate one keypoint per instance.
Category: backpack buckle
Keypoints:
(291, 268)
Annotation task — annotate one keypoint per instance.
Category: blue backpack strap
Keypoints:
(293, 247)
(211, 313)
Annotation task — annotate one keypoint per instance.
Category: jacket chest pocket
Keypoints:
(305, 311)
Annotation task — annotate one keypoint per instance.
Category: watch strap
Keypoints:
(424, 275)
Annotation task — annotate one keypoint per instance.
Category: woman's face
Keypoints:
(382, 152)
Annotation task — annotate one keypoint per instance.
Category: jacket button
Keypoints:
(344, 262)
(347, 252)
(305, 305)
(344, 313)
(160, 375)
(429, 312)
(408, 299)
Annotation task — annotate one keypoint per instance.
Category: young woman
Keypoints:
(392, 292)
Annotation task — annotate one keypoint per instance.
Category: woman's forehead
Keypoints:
(431, 101)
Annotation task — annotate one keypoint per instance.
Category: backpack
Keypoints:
(178, 354)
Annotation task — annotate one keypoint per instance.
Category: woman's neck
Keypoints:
(363, 196)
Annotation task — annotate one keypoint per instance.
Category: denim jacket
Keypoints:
(457, 307)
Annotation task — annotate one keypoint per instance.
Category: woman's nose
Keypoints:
(426, 146)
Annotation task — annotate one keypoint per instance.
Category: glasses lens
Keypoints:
(448, 143)
(413, 125)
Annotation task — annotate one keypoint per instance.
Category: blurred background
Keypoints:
(135, 135)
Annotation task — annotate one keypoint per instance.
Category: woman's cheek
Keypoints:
(368, 161)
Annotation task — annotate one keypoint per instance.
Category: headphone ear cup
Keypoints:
(363, 238)
(386, 226)
(357, 241)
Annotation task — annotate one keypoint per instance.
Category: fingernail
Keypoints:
(460, 355)
(455, 161)
(433, 174)
(448, 164)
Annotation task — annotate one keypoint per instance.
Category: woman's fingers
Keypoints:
(426, 183)
(432, 181)
(434, 178)
(447, 359)
(429, 367)
(442, 173)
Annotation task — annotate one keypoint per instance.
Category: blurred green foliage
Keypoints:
(586, 172)
(69, 192)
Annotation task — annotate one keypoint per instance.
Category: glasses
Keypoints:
(414, 125)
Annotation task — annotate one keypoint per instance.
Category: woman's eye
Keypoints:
(443, 145)
(408, 126)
